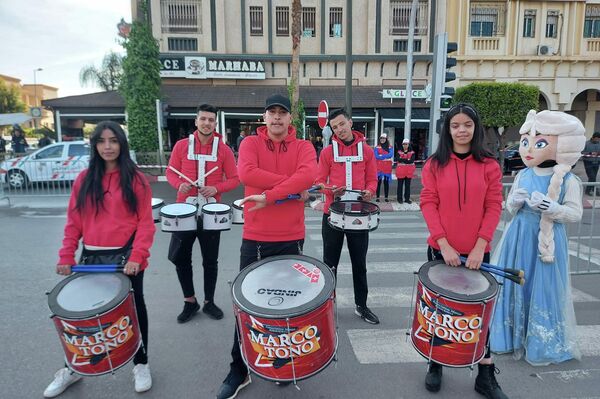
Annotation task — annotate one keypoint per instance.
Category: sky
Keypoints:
(59, 36)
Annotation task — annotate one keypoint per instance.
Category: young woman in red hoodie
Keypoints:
(461, 203)
(110, 209)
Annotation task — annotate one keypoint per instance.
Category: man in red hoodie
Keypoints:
(363, 174)
(271, 165)
(196, 155)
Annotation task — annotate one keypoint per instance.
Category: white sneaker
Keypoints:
(62, 380)
(142, 377)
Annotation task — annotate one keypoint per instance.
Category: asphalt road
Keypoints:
(190, 360)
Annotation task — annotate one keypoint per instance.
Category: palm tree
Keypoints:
(108, 76)
(296, 37)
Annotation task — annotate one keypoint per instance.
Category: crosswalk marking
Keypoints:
(382, 225)
(395, 249)
(375, 346)
(382, 236)
(382, 267)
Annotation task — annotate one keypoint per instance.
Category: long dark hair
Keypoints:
(444, 150)
(128, 171)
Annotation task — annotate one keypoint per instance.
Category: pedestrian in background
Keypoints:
(591, 161)
(384, 154)
(405, 171)
(19, 143)
(461, 203)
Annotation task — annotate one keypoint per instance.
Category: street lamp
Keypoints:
(35, 103)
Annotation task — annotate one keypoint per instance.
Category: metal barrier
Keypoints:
(583, 244)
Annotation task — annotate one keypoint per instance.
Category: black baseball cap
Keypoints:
(278, 99)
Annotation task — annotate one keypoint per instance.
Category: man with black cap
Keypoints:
(591, 161)
(271, 165)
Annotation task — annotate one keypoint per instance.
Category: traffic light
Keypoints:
(447, 91)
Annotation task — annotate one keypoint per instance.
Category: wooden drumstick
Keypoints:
(206, 174)
(193, 183)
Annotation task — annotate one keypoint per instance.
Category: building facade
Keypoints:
(32, 95)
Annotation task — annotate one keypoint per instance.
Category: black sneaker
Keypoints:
(189, 309)
(365, 313)
(400, 201)
(232, 384)
(387, 200)
(212, 310)
(408, 201)
(433, 379)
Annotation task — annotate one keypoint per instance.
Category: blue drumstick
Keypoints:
(96, 268)
(514, 272)
(297, 196)
(511, 277)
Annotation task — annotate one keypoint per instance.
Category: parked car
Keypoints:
(56, 162)
(512, 159)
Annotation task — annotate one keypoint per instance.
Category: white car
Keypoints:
(56, 162)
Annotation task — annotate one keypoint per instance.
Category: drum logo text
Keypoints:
(278, 291)
(277, 345)
(313, 274)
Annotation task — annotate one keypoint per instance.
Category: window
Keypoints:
(76, 150)
(529, 23)
(400, 17)
(52, 152)
(487, 19)
(308, 21)
(256, 21)
(282, 21)
(182, 44)
(551, 23)
(401, 46)
(181, 16)
(335, 22)
(591, 26)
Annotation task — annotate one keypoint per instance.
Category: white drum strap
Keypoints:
(106, 348)
(348, 161)
(202, 159)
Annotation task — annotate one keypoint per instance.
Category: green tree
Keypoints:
(108, 76)
(140, 85)
(298, 113)
(294, 93)
(10, 99)
(500, 105)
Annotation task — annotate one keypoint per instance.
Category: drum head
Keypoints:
(236, 204)
(178, 210)
(157, 203)
(458, 283)
(86, 294)
(283, 286)
(215, 207)
(358, 208)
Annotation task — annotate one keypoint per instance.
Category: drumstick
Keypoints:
(297, 196)
(206, 174)
(514, 272)
(516, 279)
(193, 183)
(96, 268)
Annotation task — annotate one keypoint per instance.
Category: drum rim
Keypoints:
(62, 313)
(332, 206)
(251, 309)
(489, 293)
(351, 231)
(236, 206)
(209, 212)
(183, 215)
(158, 204)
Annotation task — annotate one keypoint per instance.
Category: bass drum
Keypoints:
(285, 313)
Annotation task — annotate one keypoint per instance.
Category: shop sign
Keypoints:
(192, 67)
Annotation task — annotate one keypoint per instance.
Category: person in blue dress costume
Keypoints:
(537, 320)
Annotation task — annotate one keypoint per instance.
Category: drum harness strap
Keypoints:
(348, 161)
(202, 159)
(259, 255)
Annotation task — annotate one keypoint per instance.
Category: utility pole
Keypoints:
(439, 56)
(409, 70)
(349, 57)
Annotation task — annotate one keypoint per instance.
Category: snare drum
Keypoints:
(216, 216)
(238, 212)
(94, 315)
(353, 216)
(285, 314)
(157, 203)
(178, 217)
(453, 311)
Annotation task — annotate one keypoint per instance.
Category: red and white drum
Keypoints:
(94, 315)
(285, 312)
(453, 311)
(353, 216)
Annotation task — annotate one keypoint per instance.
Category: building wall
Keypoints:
(28, 96)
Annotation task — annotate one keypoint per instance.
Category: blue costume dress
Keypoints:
(536, 320)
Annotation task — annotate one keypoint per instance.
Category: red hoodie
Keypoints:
(113, 225)
(462, 201)
(276, 169)
(331, 173)
(223, 179)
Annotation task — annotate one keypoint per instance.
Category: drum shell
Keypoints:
(353, 222)
(170, 223)
(238, 213)
(82, 339)
(216, 220)
(312, 340)
(157, 203)
(460, 327)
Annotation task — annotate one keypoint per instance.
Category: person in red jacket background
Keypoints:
(203, 150)
(271, 164)
(405, 171)
(461, 203)
(110, 209)
(384, 154)
(332, 172)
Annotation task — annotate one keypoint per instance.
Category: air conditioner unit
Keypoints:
(543, 49)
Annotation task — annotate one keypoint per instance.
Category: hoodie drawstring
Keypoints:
(458, 179)
(464, 196)
(271, 146)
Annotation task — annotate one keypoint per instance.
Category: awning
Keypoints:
(11, 119)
